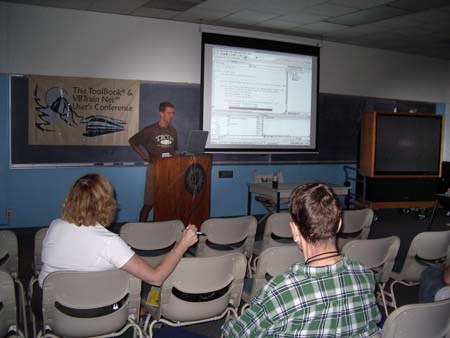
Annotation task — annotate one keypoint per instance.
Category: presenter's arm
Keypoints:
(140, 152)
(156, 276)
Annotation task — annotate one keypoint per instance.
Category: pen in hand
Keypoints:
(201, 233)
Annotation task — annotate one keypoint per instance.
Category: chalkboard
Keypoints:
(339, 119)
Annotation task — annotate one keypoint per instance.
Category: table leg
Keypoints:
(347, 199)
(278, 201)
(432, 215)
(249, 202)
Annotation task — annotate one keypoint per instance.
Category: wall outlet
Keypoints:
(225, 173)
(9, 213)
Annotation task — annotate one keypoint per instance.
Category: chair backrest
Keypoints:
(277, 225)
(235, 234)
(38, 239)
(196, 275)
(377, 254)
(272, 262)
(358, 220)
(82, 292)
(152, 236)
(9, 252)
(7, 303)
(426, 247)
(430, 320)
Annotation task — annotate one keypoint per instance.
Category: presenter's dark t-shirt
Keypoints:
(157, 140)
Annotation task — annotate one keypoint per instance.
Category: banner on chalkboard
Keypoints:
(82, 111)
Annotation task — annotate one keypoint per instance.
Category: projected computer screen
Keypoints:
(259, 99)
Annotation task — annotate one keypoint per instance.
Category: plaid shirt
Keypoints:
(331, 301)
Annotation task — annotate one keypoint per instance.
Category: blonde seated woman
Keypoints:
(80, 240)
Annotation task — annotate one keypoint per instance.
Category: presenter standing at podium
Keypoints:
(155, 141)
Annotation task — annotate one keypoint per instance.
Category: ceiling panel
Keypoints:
(369, 15)
(228, 5)
(285, 6)
(323, 27)
(248, 17)
(277, 24)
(330, 10)
(418, 5)
(206, 14)
(116, 6)
(303, 18)
(361, 4)
(155, 13)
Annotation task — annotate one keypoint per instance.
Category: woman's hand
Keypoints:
(189, 237)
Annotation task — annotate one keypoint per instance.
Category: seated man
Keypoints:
(432, 280)
(327, 296)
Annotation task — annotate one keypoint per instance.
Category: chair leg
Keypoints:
(383, 299)
(150, 328)
(244, 307)
(147, 321)
(392, 294)
(22, 305)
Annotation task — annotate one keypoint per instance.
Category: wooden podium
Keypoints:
(182, 188)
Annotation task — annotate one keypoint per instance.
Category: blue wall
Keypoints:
(36, 195)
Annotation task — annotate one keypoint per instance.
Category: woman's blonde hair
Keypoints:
(90, 201)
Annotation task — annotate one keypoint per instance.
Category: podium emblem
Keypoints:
(194, 179)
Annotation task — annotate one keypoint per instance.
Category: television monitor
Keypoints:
(259, 95)
(408, 144)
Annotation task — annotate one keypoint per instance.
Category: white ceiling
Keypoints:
(419, 27)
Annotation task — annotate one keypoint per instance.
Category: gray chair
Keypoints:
(72, 304)
(152, 240)
(426, 248)
(355, 225)
(8, 310)
(37, 264)
(428, 320)
(199, 275)
(378, 255)
(271, 262)
(277, 232)
(9, 262)
(224, 235)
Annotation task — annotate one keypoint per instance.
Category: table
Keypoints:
(284, 191)
(443, 199)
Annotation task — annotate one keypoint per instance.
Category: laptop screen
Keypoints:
(197, 141)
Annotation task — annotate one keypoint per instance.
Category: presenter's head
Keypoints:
(90, 201)
(166, 111)
(316, 214)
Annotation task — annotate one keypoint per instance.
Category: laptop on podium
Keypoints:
(196, 142)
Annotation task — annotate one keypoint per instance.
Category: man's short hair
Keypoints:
(165, 104)
(316, 211)
(90, 201)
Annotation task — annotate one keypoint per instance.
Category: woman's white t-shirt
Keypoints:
(67, 246)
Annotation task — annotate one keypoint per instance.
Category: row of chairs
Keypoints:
(87, 290)
(150, 236)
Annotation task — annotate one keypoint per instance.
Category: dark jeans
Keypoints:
(430, 283)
